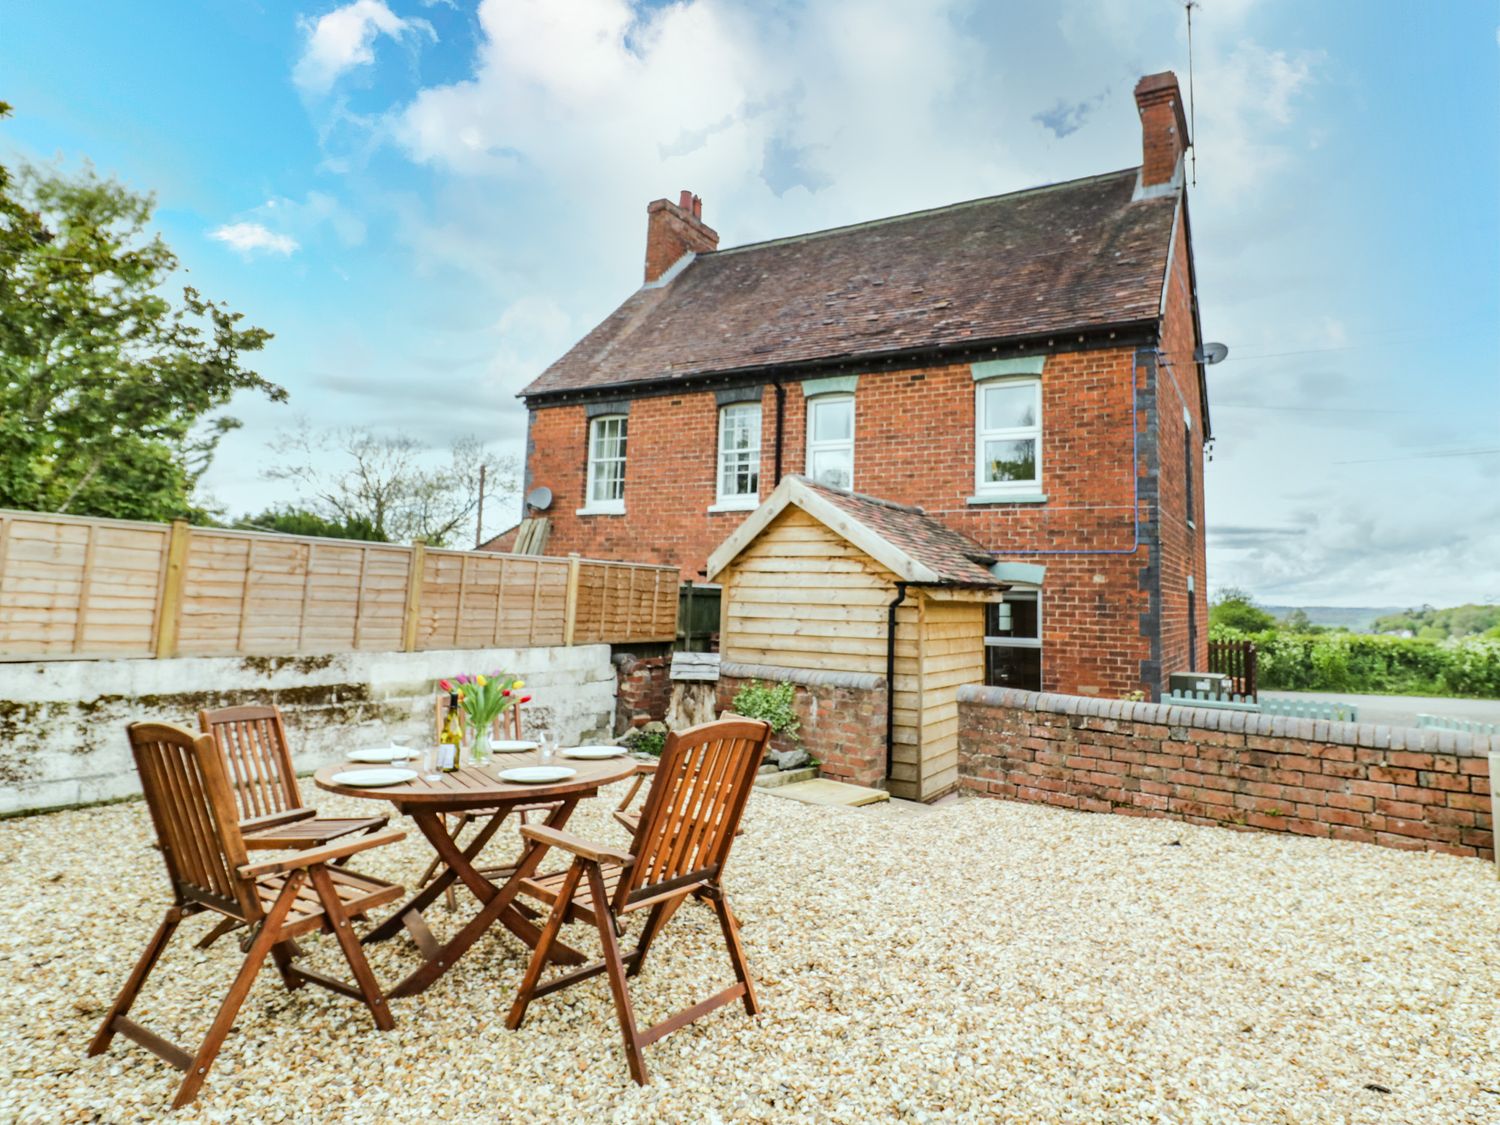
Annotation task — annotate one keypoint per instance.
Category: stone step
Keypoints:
(777, 778)
(824, 791)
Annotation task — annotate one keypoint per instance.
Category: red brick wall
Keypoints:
(1423, 790)
(843, 726)
(1093, 603)
(1183, 551)
(643, 688)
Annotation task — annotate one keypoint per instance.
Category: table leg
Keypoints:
(429, 894)
(498, 901)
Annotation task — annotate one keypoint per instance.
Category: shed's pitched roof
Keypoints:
(1072, 256)
(905, 540)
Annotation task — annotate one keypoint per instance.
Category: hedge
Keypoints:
(1377, 665)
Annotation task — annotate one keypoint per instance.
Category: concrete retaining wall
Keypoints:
(62, 723)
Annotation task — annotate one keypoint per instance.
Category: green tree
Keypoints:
(299, 521)
(106, 384)
(1236, 609)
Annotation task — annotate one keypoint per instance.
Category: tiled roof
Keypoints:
(1072, 256)
(951, 555)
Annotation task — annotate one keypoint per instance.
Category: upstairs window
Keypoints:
(1008, 437)
(606, 475)
(830, 440)
(1187, 465)
(739, 455)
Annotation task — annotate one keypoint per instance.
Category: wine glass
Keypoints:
(400, 749)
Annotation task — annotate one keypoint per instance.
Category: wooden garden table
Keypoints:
(475, 789)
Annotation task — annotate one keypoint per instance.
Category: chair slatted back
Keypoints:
(187, 791)
(259, 759)
(506, 725)
(693, 808)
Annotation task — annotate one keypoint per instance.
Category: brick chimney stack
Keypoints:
(1164, 133)
(675, 229)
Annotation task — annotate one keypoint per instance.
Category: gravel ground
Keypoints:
(982, 961)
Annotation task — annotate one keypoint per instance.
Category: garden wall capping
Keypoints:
(859, 681)
(1376, 736)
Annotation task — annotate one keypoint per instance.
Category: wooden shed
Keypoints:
(821, 579)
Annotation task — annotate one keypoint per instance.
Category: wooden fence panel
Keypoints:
(74, 587)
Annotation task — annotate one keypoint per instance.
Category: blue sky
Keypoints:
(429, 200)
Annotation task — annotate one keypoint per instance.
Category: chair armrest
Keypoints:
(314, 856)
(556, 838)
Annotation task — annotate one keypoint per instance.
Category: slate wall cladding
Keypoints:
(1404, 788)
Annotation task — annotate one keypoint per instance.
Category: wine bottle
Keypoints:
(451, 741)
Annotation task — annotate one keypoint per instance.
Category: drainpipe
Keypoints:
(890, 677)
(780, 419)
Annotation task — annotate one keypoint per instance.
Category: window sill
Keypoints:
(1013, 498)
(615, 511)
(736, 504)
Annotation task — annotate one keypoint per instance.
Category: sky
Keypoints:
(428, 201)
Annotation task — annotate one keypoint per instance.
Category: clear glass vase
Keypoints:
(479, 749)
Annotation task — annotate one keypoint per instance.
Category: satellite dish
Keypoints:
(1211, 353)
(539, 498)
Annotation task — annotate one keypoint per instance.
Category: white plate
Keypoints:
(594, 753)
(512, 746)
(537, 775)
(363, 779)
(381, 754)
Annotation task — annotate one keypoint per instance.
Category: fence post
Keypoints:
(170, 613)
(570, 607)
(413, 595)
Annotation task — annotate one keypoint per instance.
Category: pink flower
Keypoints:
(445, 685)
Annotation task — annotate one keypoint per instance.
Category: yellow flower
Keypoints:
(480, 680)
(519, 684)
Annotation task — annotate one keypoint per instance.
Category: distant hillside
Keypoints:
(1432, 624)
(1358, 619)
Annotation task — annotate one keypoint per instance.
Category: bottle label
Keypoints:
(446, 754)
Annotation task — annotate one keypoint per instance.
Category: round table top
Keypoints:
(477, 786)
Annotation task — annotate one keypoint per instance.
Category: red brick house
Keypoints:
(1023, 367)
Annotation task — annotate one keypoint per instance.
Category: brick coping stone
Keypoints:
(860, 681)
(1373, 736)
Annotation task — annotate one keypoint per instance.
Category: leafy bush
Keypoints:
(1381, 665)
(648, 742)
(775, 705)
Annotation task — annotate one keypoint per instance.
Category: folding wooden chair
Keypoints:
(687, 827)
(187, 790)
(259, 757)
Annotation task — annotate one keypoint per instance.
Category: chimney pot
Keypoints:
(1164, 133)
(685, 200)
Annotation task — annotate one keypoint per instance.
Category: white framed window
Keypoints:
(605, 490)
(739, 456)
(830, 440)
(1013, 641)
(1008, 437)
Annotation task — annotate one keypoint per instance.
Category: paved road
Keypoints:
(1402, 710)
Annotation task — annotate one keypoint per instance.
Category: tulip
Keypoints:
(480, 680)
(525, 699)
(505, 691)
(445, 685)
(519, 684)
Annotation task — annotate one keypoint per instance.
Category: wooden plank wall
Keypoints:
(84, 588)
(952, 655)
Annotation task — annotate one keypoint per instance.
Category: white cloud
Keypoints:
(249, 238)
(344, 39)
